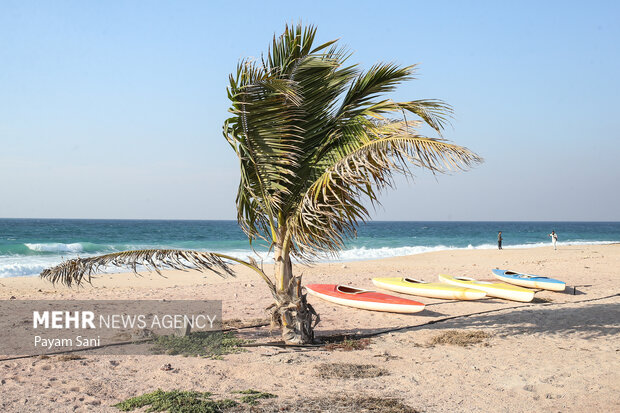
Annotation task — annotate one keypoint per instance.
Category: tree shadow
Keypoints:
(425, 313)
(592, 321)
(483, 301)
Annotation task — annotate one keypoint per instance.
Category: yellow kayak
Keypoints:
(434, 290)
(493, 289)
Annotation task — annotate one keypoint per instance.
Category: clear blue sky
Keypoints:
(114, 109)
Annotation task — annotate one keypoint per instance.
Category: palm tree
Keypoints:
(316, 142)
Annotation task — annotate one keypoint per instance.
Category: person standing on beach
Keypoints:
(499, 240)
(554, 239)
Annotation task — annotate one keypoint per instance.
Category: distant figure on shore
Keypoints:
(499, 240)
(554, 239)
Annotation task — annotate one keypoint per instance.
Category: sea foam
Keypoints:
(14, 265)
(56, 247)
(365, 253)
(17, 269)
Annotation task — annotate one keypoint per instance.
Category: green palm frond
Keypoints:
(381, 78)
(279, 110)
(334, 204)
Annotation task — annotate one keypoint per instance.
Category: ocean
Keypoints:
(27, 246)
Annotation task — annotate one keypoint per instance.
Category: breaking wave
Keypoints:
(56, 247)
(51, 254)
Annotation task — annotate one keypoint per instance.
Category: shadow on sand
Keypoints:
(590, 321)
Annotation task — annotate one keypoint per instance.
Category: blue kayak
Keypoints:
(529, 280)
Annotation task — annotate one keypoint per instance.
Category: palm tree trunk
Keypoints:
(291, 312)
(283, 268)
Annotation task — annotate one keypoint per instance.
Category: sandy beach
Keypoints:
(383, 142)
(560, 353)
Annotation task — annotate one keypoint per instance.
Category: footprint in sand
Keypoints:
(529, 387)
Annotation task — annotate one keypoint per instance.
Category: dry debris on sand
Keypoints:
(333, 404)
(349, 371)
(459, 338)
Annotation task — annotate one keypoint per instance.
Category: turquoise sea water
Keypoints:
(27, 246)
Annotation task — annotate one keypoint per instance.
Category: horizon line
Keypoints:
(361, 223)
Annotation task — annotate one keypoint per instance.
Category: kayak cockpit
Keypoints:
(413, 281)
(521, 275)
(346, 289)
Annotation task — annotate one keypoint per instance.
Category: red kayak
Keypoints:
(364, 299)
